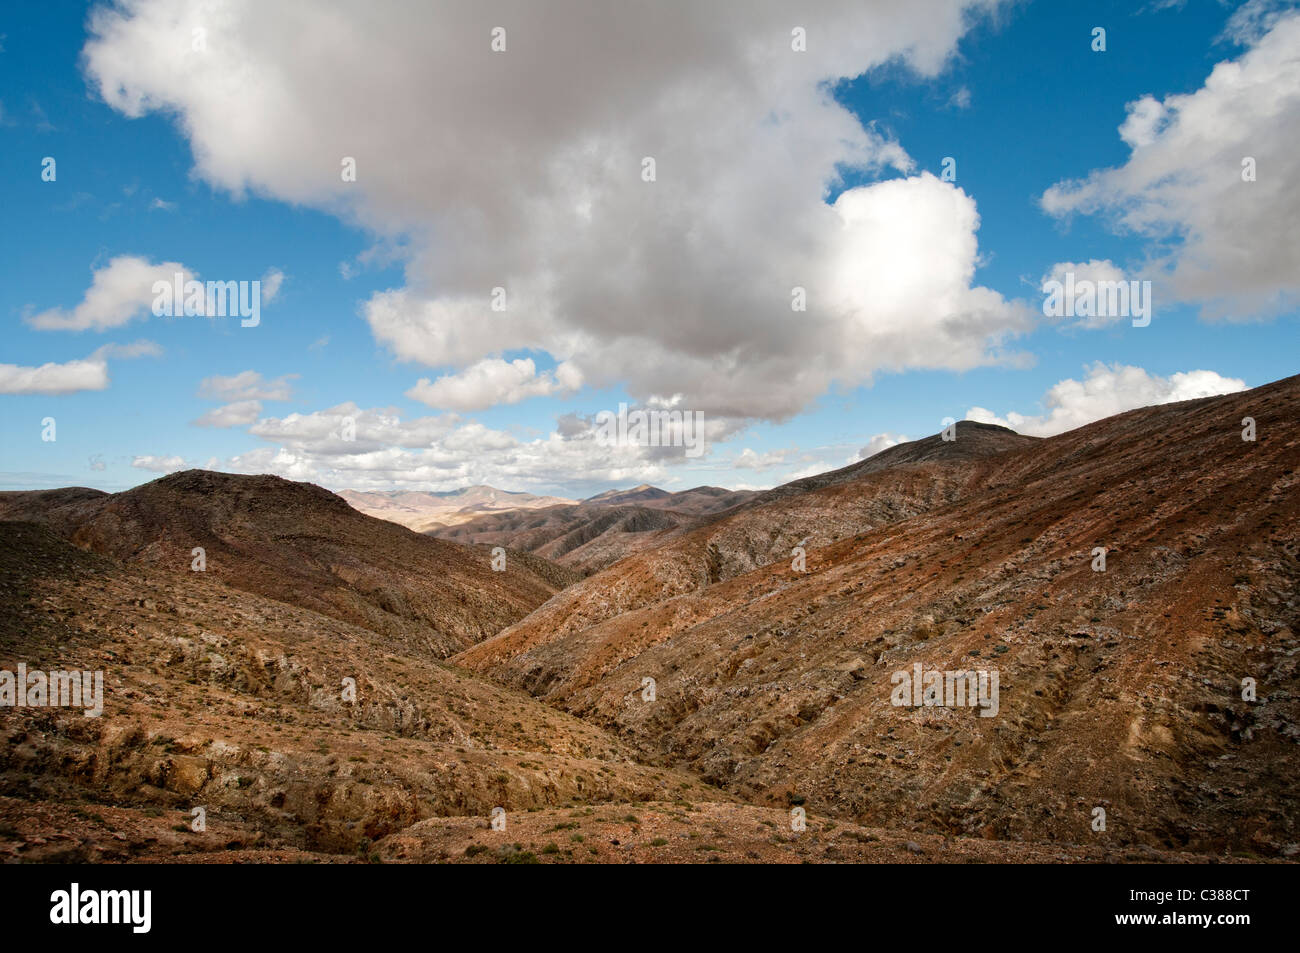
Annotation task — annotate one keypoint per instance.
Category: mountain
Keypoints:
(644, 493)
(605, 528)
(700, 500)
(296, 543)
(1120, 689)
(762, 529)
(423, 511)
(971, 442)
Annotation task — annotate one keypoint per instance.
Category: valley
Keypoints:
(1121, 691)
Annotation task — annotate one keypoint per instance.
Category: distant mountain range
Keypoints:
(424, 511)
(583, 534)
(600, 530)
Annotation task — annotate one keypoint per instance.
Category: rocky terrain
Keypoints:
(296, 543)
(677, 704)
(218, 698)
(1120, 689)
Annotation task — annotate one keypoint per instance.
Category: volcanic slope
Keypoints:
(297, 733)
(1124, 689)
(300, 544)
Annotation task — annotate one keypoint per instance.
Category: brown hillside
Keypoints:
(226, 700)
(300, 544)
(1120, 689)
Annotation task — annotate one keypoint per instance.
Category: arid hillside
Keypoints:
(300, 544)
(767, 528)
(220, 699)
(1120, 689)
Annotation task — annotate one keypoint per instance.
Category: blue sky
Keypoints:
(1016, 96)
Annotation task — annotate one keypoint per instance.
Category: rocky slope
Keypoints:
(300, 544)
(225, 700)
(1119, 689)
(766, 530)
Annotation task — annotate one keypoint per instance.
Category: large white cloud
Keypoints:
(1105, 391)
(523, 170)
(1233, 246)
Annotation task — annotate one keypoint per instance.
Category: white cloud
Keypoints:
(158, 464)
(1254, 18)
(123, 290)
(748, 459)
(238, 414)
(444, 452)
(51, 378)
(493, 381)
(90, 373)
(271, 283)
(1227, 244)
(1108, 390)
(325, 432)
(246, 386)
(141, 348)
(533, 182)
(812, 469)
(118, 292)
(880, 441)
